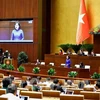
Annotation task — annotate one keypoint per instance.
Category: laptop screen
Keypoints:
(24, 97)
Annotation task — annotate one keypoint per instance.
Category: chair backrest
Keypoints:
(17, 83)
(32, 94)
(3, 98)
(90, 95)
(1, 75)
(61, 81)
(45, 87)
(42, 84)
(88, 88)
(98, 90)
(22, 89)
(51, 93)
(24, 78)
(76, 90)
(71, 97)
(29, 87)
(2, 91)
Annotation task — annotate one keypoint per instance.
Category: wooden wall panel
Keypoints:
(97, 43)
(18, 8)
(46, 27)
(21, 9)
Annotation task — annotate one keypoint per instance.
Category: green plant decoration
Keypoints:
(51, 71)
(72, 74)
(64, 47)
(3, 66)
(10, 67)
(21, 69)
(95, 75)
(22, 58)
(36, 70)
(95, 30)
(75, 47)
(88, 47)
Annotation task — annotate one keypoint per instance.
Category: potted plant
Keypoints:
(36, 70)
(21, 69)
(22, 58)
(51, 71)
(72, 74)
(95, 75)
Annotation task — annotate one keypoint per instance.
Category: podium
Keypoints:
(8, 61)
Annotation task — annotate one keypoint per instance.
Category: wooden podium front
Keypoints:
(9, 61)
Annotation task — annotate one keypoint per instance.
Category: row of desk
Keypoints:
(94, 62)
(60, 72)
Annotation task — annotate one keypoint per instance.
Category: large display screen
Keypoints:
(16, 30)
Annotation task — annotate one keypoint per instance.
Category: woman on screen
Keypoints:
(17, 33)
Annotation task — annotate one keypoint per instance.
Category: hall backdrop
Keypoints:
(64, 20)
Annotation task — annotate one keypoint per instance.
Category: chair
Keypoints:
(76, 90)
(88, 88)
(98, 90)
(1, 75)
(45, 87)
(71, 97)
(90, 95)
(24, 78)
(2, 91)
(3, 98)
(32, 94)
(42, 84)
(0, 86)
(29, 87)
(61, 81)
(22, 89)
(51, 93)
(17, 83)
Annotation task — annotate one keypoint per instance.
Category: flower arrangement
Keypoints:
(51, 71)
(95, 30)
(36, 70)
(72, 74)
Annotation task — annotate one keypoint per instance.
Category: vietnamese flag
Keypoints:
(83, 25)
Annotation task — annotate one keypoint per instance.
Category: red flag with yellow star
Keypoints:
(83, 25)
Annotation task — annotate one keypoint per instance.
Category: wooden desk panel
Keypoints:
(60, 71)
(94, 62)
